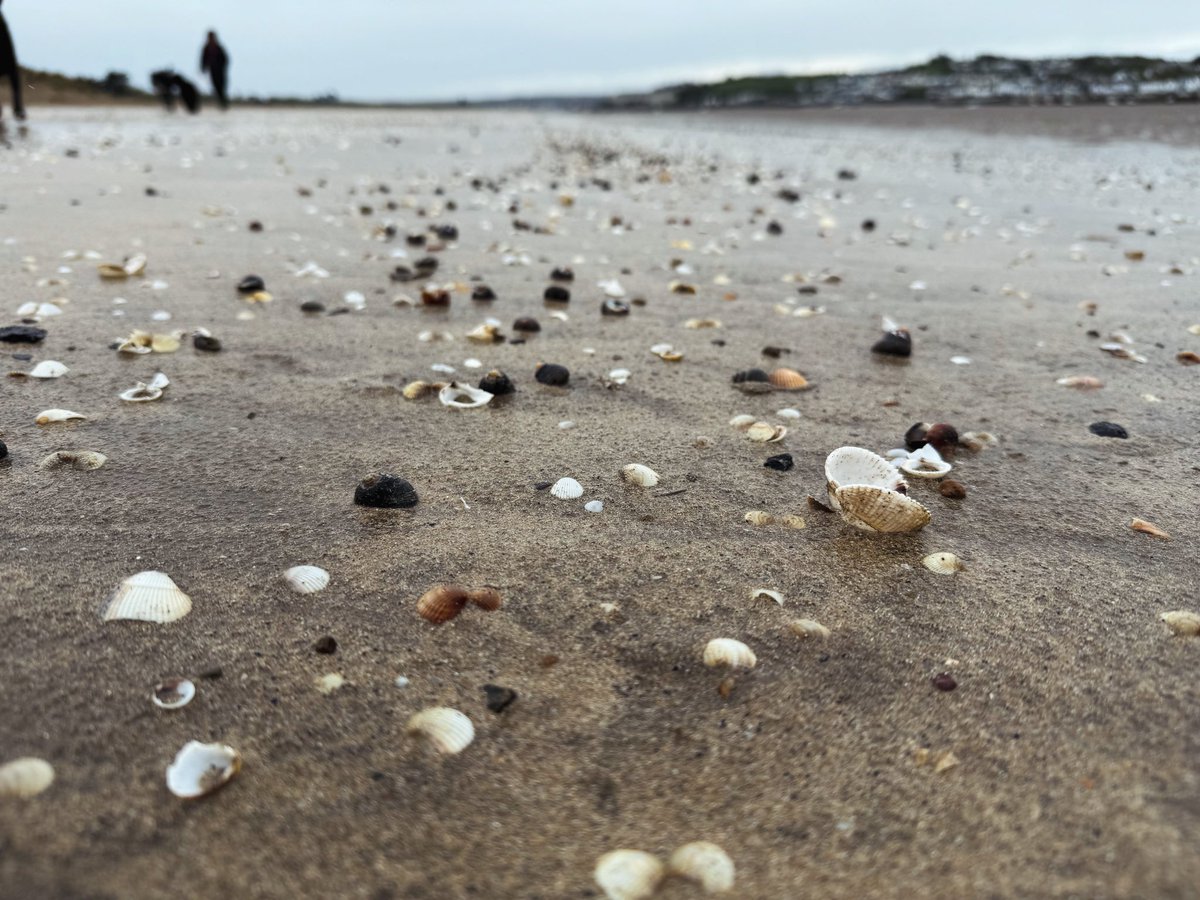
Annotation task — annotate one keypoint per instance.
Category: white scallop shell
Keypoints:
(306, 579)
(628, 874)
(788, 413)
(728, 652)
(619, 376)
(25, 777)
(46, 416)
(463, 396)
(942, 563)
(567, 489)
(1182, 621)
(200, 769)
(140, 393)
(809, 628)
(635, 473)
(706, 864)
(48, 368)
(447, 729)
(174, 693)
(81, 460)
(148, 597)
(854, 465)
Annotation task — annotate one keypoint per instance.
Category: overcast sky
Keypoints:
(450, 49)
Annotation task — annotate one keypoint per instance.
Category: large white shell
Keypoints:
(567, 489)
(200, 769)
(46, 416)
(25, 777)
(706, 864)
(174, 693)
(148, 597)
(942, 563)
(854, 465)
(81, 460)
(463, 396)
(306, 579)
(635, 473)
(447, 729)
(730, 653)
(48, 368)
(628, 874)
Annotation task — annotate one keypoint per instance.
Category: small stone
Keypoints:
(255, 226)
(894, 343)
(211, 672)
(385, 491)
(483, 292)
(1108, 429)
(498, 699)
(22, 334)
(556, 294)
(3, 450)
(781, 463)
(943, 681)
(326, 645)
(552, 374)
(312, 306)
(955, 490)
(774, 228)
(526, 324)
(206, 343)
(251, 284)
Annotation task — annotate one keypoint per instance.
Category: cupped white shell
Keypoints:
(628, 874)
(925, 462)
(942, 563)
(80, 460)
(635, 473)
(46, 416)
(48, 368)
(463, 396)
(25, 777)
(854, 465)
(200, 769)
(148, 597)
(448, 730)
(706, 864)
(306, 579)
(567, 489)
(174, 693)
(730, 653)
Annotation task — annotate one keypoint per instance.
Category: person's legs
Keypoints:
(219, 82)
(14, 76)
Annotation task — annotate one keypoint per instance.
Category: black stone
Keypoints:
(944, 681)
(447, 232)
(868, 225)
(402, 273)
(612, 307)
(312, 306)
(847, 174)
(483, 292)
(250, 284)
(781, 463)
(3, 450)
(749, 375)
(326, 645)
(255, 226)
(552, 374)
(426, 265)
(917, 436)
(22, 334)
(415, 240)
(563, 274)
(557, 294)
(807, 289)
(385, 492)
(206, 342)
(499, 698)
(525, 323)
(894, 343)
(787, 194)
(774, 352)
(774, 228)
(1108, 429)
(496, 382)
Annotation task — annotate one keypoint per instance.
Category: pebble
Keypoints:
(498, 698)
(1108, 429)
(22, 334)
(385, 491)
(781, 463)
(944, 681)
(326, 645)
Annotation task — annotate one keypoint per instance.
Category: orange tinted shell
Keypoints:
(788, 380)
(487, 598)
(442, 603)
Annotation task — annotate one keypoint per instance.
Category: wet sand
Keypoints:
(1075, 721)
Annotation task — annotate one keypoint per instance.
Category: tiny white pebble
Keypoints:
(961, 360)
(566, 424)
(161, 316)
(402, 681)
(594, 506)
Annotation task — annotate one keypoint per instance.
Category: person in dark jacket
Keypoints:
(9, 67)
(168, 86)
(215, 61)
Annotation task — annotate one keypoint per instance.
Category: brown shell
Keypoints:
(486, 598)
(878, 509)
(442, 603)
(788, 380)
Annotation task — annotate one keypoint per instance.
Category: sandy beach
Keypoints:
(1070, 745)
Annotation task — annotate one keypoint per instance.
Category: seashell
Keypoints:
(1083, 382)
(896, 341)
(80, 460)
(442, 603)
(641, 475)
(200, 769)
(742, 422)
(1182, 622)
(463, 396)
(1188, 357)
(666, 352)
(702, 323)
(111, 271)
(704, 863)
(552, 374)
(769, 594)
(327, 684)
(877, 509)
(48, 368)
(976, 441)
(306, 579)
(174, 693)
(942, 563)
(788, 380)
(164, 343)
(47, 416)
(619, 376)
(788, 413)
(594, 506)
(414, 390)
(25, 777)
(925, 462)
(486, 598)
(385, 491)
(567, 489)
(147, 597)
(496, 383)
(628, 874)
(681, 287)
(758, 517)
(1149, 528)
(809, 629)
(793, 521)
(203, 341)
(141, 393)
(614, 307)
(729, 653)
(487, 333)
(135, 265)
(250, 284)
(447, 729)
(854, 465)
(764, 432)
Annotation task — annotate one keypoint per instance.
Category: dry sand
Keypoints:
(1075, 720)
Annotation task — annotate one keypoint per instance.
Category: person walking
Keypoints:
(215, 61)
(9, 67)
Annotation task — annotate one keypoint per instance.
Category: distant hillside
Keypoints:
(49, 88)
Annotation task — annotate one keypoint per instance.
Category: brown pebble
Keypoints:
(955, 490)
(944, 681)
(326, 645)
(548, 661)
(725, 688)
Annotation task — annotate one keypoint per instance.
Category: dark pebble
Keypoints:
(496, 382)
(26, 357)
(955, 490)
(447, 232)
(781, 463)
(415, 240)
(250, 284)
(312, 306)
(525, 323)
(868, 225)
(326, 645)
(807, 289)
(552, 374)
(774, 228)
(385, 492)
(255, 226)
(847, 174)
(499, 698)
(894, 343)
(556, 294)
(563, 274)
(1108, 429)
(916, 436)
(22, 334)
(611, 307)
(483, 292)
(774, 352)
(542, 485)
(426, 265)
(787, 194)
(3, 450)
(206, 342)
(944, 681)
(749, 375)
(211, 672)
(402, 273)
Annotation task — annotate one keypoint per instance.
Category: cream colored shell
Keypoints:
(463, 396)
(148, 597)
(628, 874)
(878, 509)
(942, 563)
(448, 730)
(768, 594)
(809, 629)
(1182, 621)
(641, 475)
(567, 489)
(759, 517)
(306, 579)
(200, 769)
(25, 777)
(729, 653)
(706, 864)
(48, 368)
(46, 416)
(765, 432)
(854, 465)
(80, 460)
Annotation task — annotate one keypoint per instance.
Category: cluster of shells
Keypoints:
(870, 493)
(637, 875)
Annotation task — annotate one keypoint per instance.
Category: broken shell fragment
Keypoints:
(47, 416)
(147, 597)
(448, 730)
(628, 874)
(638, 474)
(1183, 622)
(742, 422)
(25, 777)
(925, 462)
(759, 517)
(704, 863)
(414, 390)
(200, 769)
(942, 563)
(463, 396)
(327, 684)
(809, 629)
(765, 432)
(48, 368)
(442, 603)
(793, 521)
(174, 693)
(768, 594)
(80, 460)
(567, 489)
(1149, 528)
(729, 653)
(1082, 382)
(306, 579)
(487, 333)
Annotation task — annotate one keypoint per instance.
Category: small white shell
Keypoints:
(925, 462)
(1182, 621)
(306, 579)
(81, 460)
(328, 683)
(854, 465)
(25, 777)
(628, 874)
(567, 489)
(788, 413)
(635, 473)
(447, 729)
(767, 593)
(148, 597)
(742, 422)
(463, 396)
(765, 432)
(48, 368)
(619, 376)
(46, 416)
(706, 864)
(200, 769)
(174, 693)
(809, 628)
(730, 653)
(594, 506)
(141, 393)
(759, 517)
(942, 563)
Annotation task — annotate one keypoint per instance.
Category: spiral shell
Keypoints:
(448, 730)
(25, 777)
(148, 597)
(730, 653)
(200, 769)
(704, 863)
(306, 579)
(628, 874)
